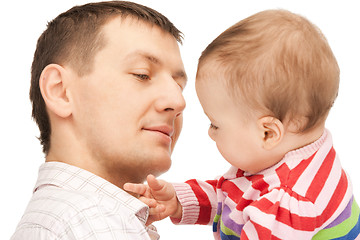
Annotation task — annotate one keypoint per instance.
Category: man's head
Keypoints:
(107, 82)
(277, 63)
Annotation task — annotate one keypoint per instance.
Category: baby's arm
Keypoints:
(160, 196)
(192, 202)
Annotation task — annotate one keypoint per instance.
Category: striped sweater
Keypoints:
(307, 195)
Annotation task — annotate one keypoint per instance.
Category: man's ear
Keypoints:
(271, 130)
(53, 89)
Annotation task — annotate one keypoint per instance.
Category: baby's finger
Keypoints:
(154, 184)
(157, 210)
(135, 188)
(148, 201)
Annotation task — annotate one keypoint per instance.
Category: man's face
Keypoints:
(128, 110)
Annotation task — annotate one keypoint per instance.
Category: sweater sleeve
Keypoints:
(198, 200)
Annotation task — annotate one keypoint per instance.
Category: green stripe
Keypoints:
(227, 231)
(341, 229)
(216, 218)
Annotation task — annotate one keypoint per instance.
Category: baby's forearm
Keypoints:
(198, 202)
(178, 212)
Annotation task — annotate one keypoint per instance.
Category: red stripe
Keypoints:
(335, 200)
(204, 202)
(259, 184)
(263, 232)
(283, 173)
(243, 235)
(212, 183)
(239, 173)
(243, 204)
(234, 193)
(220, 182)
(283, 215)
(290, 177)
(321, 176)
(298, 170)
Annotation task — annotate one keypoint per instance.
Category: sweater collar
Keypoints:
(292, 158)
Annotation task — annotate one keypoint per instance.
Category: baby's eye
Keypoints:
(142, 76)
(212, 126)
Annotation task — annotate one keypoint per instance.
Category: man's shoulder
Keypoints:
(57, 210)
(62, 202)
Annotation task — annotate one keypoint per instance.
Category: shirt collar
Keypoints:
(69, 177)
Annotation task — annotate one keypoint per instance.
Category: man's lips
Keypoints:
(164, 129)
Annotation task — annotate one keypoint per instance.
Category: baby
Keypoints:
(267, 85)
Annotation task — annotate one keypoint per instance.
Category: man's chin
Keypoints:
(159, 167)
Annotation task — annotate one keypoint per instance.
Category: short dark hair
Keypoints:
(74, 37)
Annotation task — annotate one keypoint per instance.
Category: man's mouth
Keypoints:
(164, 129)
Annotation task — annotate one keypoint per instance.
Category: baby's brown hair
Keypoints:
(276, 62)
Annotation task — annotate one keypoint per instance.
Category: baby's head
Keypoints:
(274, 67)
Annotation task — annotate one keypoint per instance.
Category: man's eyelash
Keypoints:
(142, 76)
(212, 126)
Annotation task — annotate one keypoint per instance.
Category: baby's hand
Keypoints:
(160, 196)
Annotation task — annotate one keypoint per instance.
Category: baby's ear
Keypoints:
(271, 130)
(53, 89)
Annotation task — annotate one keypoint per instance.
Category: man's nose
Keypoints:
(170, 98)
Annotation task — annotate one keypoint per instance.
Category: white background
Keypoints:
(22, 22)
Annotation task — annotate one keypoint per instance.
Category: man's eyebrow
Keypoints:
(144, 55)
(180, 74)
(152, 59)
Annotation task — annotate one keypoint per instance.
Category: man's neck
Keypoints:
(116, 176)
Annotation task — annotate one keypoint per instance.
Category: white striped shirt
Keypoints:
(71, 203)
